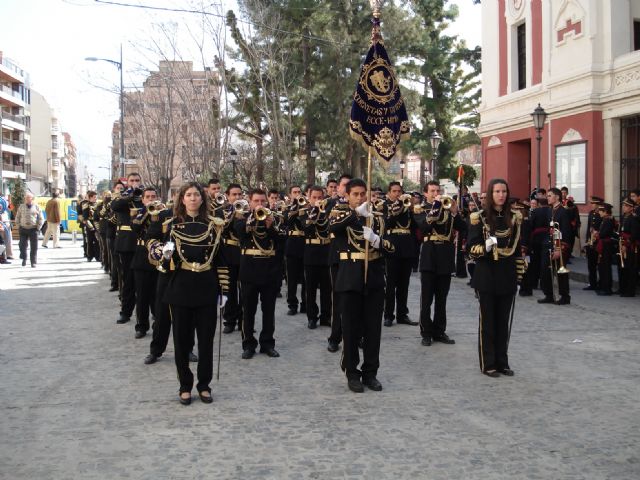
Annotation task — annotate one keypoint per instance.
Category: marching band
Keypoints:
(211, 256)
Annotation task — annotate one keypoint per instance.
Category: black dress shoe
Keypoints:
(355, 385)
(228, 329)
(372, 383)
(491, 373)
(333, 347)
(506, 372)
(205, 396)
(193, 358)
(33, 265)
(248, 353)
(270, 352)
(24, 263)
(312, 324)
(388, 322)
(563, 301)
(123, 319)
(426, 342)
(113, 289)
(406, 321)
(444, 338)
(185, 401)
(292, 311)
(546, 300)
(149, 359)
(45, 246)
(589, 287)
(140, 334)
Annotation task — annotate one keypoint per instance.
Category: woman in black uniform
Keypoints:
(494, 242)
(195, 285)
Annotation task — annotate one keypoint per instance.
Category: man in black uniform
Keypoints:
(555, 246)
(334, 206)
(294, 252)
(92, 249)
(539, 219)
(231, 253)
(593, 225)
(399, 225)
(606, 248)
(259, 271)
(127, 207)
(101, 217)
(359, 285)
(437, 262)
(629, 239)
(111, 226)
(316, 259)
(145, 274)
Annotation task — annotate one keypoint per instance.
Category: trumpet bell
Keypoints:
(240, 206)
(261, 213)
(447, 202)
(302, 201)
(220, 199)
(406, 200)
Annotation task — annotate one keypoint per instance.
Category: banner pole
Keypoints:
(366, 243)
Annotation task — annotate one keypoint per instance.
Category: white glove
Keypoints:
(490, 242)
(168, 250)
(222, 301)
(373, 239)
(363, 210)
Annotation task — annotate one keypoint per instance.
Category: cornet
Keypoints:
(240, 206)
(220, 199)
(406, 200)
(301, 201)
(557, 245)
(154, 208)
(261, 213)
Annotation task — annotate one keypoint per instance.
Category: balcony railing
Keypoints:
(11, 91)
(13, 168)
(14, 118)
(15, 143)
(12, 66)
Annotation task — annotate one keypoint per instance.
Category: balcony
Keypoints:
(10, 70)
(9, 96)
(11, 167)
(17, 147)
(13, 122)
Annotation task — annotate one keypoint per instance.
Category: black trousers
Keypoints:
(104, 254)
(317, 277)
(361, 318)
(336, 323)
(113, 261)
(295, 276)
(433, 287)
(397, 288)
(233, 308)
(628, 275)
(251, 293)
(127, 281)
(536, 264)
(592, 266)
(186, 321)
(604, 269)
(93, 247)
(493, 330)
(461, 263)
(545, 279)
(28, 236)
(161, 318)
(145, 281)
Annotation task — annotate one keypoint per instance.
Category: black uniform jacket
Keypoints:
(140, 225)
(399, 230)
(88, 215)
(438, 251)
(630, 231)
(606, 234)
(230, 248)
(195, 269)
(593, 222)
(334, 207)
(295, 233)
(560, 216)
(259, 262)
(346, 228)
(500, 276)
(316, 233)
(125, 236)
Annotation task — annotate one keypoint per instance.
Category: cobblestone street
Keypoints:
(78, 402)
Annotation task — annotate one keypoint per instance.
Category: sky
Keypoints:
(50, 40)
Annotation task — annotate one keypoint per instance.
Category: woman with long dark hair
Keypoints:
(196, 282)
(494, 242)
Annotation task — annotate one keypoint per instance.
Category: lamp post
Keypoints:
(234, 155)
(435, 140)
(119, 65)
(402, 165)
(539, 117)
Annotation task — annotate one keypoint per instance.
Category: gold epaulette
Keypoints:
(165, 224)
(340, 216)
(474, 218)
(517, 215)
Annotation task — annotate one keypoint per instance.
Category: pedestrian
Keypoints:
(5, 228)
(29, 220)
(52, 211)
(494, 241)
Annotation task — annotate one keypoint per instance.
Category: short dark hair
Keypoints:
(294, 186)
(316, 188)
(431, 182)
(273, 191)
(232, 185)
(345, 175)
(257, 191)
(149, 189)
(636, 191)
(542, 190)
(55, 194)
(133, 174)
(331, 180)
(565, 188)
(355, 182)
(91, 193)
(555, 191)
(394, 184)
(118, 182)
(213, 181)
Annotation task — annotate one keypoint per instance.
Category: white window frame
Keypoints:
(571, 169)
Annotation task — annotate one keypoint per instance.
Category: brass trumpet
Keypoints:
(557, 245)
(261, 213)
(154, 208)
(220, 199)
(240, 206)
(406, 200)
(301, 201)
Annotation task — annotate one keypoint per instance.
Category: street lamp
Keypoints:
(402, 165)
(119, 65)
(539, 117)
(435, 140)
(234, 155)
